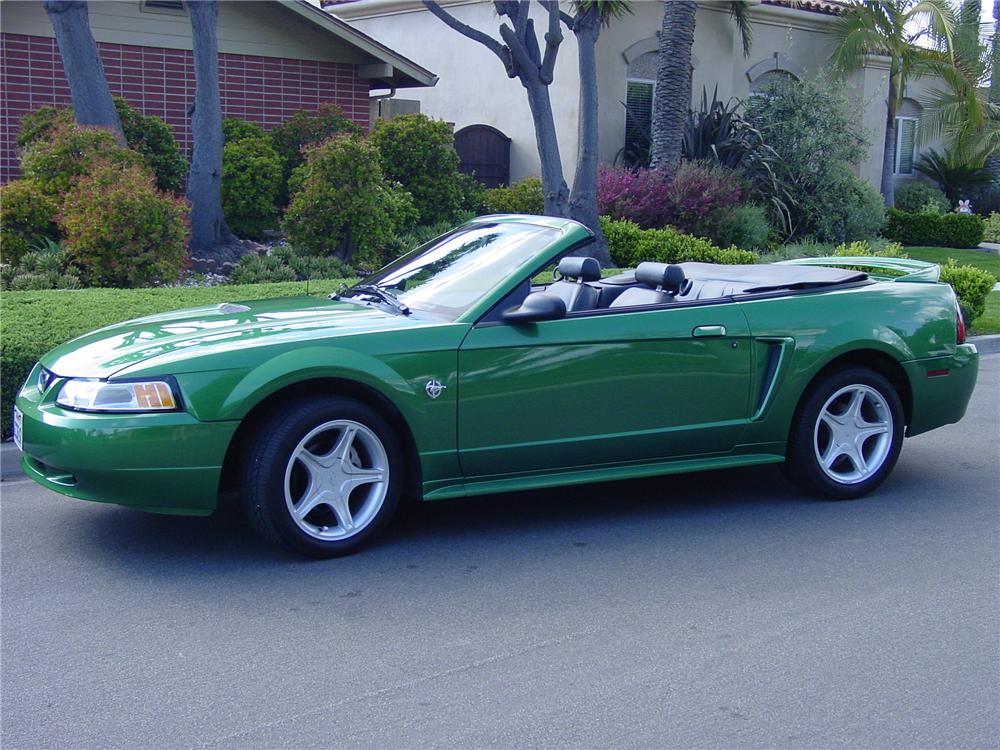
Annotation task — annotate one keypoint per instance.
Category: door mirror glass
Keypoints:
(536, 306)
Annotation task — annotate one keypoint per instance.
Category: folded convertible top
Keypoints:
(766, 277)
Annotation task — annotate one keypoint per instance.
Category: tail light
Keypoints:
(959, 328)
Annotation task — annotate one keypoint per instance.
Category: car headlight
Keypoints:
(128, 396)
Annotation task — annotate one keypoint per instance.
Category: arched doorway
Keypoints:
(485, 152)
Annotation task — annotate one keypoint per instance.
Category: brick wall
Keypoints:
(160, 82)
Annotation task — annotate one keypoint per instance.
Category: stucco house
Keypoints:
(789, 39)
(275, 58)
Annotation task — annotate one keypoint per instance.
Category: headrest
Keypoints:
(670, 278)
(586, 269)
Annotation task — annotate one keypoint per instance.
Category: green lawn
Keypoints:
(989, 321)
(986, 261)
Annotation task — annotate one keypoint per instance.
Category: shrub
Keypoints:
(864, 247)
(695, 200)
(27, 216)
(342, 204)
(38, 124)
(744, 227)
(813, 127)
(35, 322)
(639, 196)
(401, 243)
(916, 197)
(419, 153)
(473, 193)
(46, 266)
(943, 230)
(150, 136)
(992, 230)
(963, 230)
(70, 151)
(524, 197)
(284, 264)
(307, 128)
(234, 129)
(251, 178)
(630, 245)
(154, 140)
(121, 231)
(972, 285)
(622, 237)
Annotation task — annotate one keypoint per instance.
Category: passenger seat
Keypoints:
(659, 282)
(572, 288)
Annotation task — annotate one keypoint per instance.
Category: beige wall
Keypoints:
(473, 87)
(248, 28)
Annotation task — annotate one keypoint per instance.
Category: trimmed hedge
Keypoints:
(630, 244)
(35, 322)
(941, 230)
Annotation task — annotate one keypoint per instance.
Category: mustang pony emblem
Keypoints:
(434, 388)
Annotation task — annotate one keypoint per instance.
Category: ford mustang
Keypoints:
(496, 358)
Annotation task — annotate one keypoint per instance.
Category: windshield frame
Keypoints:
(566, 234)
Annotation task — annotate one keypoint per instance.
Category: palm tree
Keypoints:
(673, 76)
(963, 111)
(894, 29)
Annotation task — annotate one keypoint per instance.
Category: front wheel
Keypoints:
(322, 476)
(847, 434)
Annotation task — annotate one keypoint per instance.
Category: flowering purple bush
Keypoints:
(695, 200)
(698, 192)
(640, 196)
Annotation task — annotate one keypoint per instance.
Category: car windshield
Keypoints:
(448, 275)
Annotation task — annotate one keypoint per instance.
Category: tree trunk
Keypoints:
(673, 83)
(583, 199)
(88, 88)
(889, 150)
(554, 185)
(209, 232)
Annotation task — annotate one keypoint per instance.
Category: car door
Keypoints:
(603, 387)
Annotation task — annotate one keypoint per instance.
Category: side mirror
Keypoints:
(536, 306)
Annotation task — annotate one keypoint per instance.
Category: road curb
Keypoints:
(986, 344)
(10, 461)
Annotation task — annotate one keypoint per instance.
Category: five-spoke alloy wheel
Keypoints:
(322, 476)
(847, 434)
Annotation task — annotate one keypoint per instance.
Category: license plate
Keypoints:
(18, 429)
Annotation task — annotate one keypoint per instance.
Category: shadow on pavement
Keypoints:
(665, 506)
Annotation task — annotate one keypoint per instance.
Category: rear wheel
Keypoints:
(322, 477)
(846, 435)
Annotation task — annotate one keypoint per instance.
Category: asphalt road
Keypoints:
(714, 610)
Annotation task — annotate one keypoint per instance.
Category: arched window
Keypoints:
(762, 83)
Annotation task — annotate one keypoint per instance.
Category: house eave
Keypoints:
(405, 72)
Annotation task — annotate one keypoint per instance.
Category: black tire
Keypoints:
(808, 439)
(269, 457)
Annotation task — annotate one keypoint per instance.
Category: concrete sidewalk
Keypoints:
(10, 457)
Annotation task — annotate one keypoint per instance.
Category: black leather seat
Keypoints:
(572, 288)
(658, 283)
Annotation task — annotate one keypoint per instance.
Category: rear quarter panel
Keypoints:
(905, 320)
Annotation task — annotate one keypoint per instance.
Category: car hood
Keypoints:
(229, 326)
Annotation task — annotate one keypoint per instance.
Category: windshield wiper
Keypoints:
(375, 291)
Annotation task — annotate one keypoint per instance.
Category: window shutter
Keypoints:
(906, 141)
(638, 120)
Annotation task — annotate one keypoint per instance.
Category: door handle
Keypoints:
(702, 331)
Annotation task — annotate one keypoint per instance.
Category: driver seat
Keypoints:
(572, 287)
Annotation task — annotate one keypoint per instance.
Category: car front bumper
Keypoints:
(163, 463)
(942, 388)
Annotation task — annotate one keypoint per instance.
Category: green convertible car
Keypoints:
(452, 372)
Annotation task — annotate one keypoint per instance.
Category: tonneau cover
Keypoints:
(766, 277)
